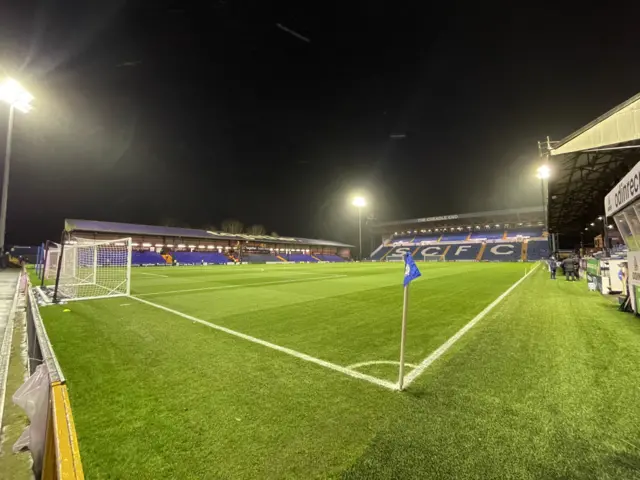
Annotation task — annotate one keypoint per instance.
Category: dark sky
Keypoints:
(205, 110)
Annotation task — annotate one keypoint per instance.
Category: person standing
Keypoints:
(553, 265)
(568, 266)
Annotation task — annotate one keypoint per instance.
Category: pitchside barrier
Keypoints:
(56, 456)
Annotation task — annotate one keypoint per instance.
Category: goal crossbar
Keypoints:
(90, 269)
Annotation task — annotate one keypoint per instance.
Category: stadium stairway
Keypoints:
(481, 251)
(524, 251)
(281, 258)
(316, 258)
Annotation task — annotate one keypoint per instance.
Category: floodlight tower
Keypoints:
(359, 202)
(12, 93)
(544, 172)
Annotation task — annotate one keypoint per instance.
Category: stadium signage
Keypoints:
(244, 236)
(436, 219)
(633, 267)
(625, 192)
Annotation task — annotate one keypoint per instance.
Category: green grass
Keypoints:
(545, 386)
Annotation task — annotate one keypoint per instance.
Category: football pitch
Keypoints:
(288, 371)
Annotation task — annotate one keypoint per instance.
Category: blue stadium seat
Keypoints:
(531, 232)
(331, 258)
(299, 257)
(426, 238)
(147, 258)
(380, 253)
(196, 258)
(487, 235)
(503, 252)
(454, 237)
(537, 250)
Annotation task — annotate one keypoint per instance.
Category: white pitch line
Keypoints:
(288, 351)
(219, 287)
(154, 274)
(413, 374)
(380, 362)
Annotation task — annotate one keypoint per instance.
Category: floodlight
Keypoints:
(544, 171)
(592, 224)
(14, 94)
(359, 202)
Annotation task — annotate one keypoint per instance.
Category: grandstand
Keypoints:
(157, 245)
(495, 236)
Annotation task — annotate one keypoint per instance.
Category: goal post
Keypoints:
(50, 261)
(432, 258)
(89, 269)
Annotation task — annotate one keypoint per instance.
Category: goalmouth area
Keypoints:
(287, 371)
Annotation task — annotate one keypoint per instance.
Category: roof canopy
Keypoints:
(617, 127)
(511, 215)
(73, 225)
(588, 163)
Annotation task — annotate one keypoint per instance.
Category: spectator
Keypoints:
(568, 265)
(553, 265)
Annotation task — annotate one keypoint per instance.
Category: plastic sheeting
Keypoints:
(33, 398)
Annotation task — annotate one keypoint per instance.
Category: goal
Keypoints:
(433, 258)
(91, 269)
(51, 261)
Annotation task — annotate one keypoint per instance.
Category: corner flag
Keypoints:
(411, 271)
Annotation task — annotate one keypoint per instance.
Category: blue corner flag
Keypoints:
(411, 271)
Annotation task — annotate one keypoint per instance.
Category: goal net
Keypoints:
(51, 261)
(433, 258)
(94, 269)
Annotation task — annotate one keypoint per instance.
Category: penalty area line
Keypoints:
(220, 287)
(413, 374)
(154, 274)
(273, 346)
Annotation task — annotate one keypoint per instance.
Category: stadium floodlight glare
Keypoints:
(544, 172)
(600, 218)
(159, 245)
(592, 224)
(13, 94)
(609, 226)
(359, 202)
(181, 246)
(146, 244)
(169, 245)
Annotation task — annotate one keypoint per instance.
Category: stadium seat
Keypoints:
(147, 258)
(196, 258)
(503, 252)
(379, 254)
(463, 251)
(531, 232)
(300, 257)
(537, 250)
(454, 237)
(331, 258)
(486, 235)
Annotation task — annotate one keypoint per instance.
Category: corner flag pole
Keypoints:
(403, 336)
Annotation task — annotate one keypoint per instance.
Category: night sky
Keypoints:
(194, 112)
